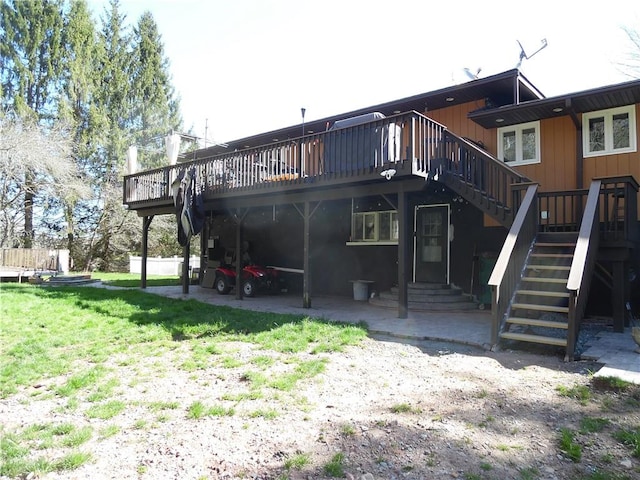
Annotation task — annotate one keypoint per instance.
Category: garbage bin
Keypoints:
(486, 263)
(361, 290)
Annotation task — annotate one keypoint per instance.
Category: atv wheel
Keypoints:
(222, 285)
(249, 288)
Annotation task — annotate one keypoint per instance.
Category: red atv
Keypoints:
(254, 279)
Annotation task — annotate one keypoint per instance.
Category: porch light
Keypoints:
(449, 99)
(558, 109)
(499, 120)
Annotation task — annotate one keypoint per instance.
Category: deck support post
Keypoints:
(239, 256)
(404, 237)
(185, 267)
(238, 218)
(306, 276)
(146, 223)
(620, 288)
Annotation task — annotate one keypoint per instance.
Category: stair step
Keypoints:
(545, 280)
(555, 244)
(552, 255)
(542, 308)
(543, 293)
(534, 322)
(549, 267)
(387, 302)
(525, 337)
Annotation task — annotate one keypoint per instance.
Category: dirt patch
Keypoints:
(381, 410)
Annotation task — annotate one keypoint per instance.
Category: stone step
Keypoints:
(426, 307)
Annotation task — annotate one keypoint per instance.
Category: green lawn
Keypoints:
(62, 342)
(45, 330)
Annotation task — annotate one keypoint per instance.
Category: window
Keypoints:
(609, 131)
(375, 227)
(519, 144)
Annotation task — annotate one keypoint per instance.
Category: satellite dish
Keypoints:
(524, 55)
(470, 74)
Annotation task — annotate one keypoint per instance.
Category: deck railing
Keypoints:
(475, 173)
(336, 153)
(618, 209)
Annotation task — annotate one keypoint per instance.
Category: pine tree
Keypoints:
(154, 109)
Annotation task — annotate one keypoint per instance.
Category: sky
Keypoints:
(243, 67)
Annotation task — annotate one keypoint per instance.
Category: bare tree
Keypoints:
(44, 156)
(630, 65)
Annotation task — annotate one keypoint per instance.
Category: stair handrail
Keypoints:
(465, 165)
(512, 258)
(583, 264)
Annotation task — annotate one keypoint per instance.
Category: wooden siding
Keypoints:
(618, 164)
(456, 120)
(558, 150)
(557, 168)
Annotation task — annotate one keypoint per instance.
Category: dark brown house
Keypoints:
(482, 193)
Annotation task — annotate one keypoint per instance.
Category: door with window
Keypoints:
(431, 249)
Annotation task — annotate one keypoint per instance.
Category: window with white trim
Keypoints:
(374, 227)
(519, 144)
(609, 131)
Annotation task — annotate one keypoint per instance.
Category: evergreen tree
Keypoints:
(80, 80)
(154, 109)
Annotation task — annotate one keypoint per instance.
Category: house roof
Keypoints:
(501, 89)
(601, 98)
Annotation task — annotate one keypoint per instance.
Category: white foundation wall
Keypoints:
(162, 266)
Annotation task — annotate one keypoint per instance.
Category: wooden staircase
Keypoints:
(428, 297)
(540, 305)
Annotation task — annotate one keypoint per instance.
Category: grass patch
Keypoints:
(335, 467)
(17, 449)
(302, 371)
(578, 392)
(610, 384)
(83, 380)
(297, 461)
(159, 406)
(347, 430)
(404, 408)
(105, 410)
(198, 410)
(267, 414)
(630, 438)
(593, 425)
(567, 445)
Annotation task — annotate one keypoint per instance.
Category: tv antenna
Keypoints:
(524, 55)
